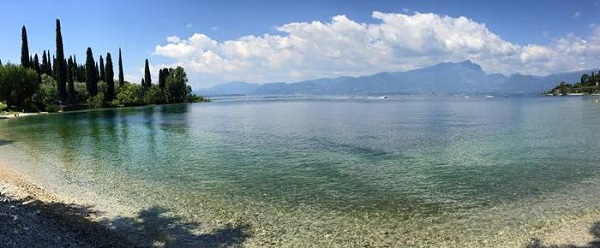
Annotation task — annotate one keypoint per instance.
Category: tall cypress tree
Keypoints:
(91, 79)
(147, 76)
(98, 72)
(101, 67)
(71, 80)
(50, 65)
(24, 48)
(61, 68)
(44, 63)
(36, 64)
(121, 78)
(110, 79)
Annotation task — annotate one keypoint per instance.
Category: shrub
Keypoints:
(52, 108)
(130, 95)
(96, 101)
(47, 94)
(17, 85)
(154, 95)
(3, 106)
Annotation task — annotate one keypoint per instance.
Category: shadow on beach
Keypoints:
(594, 230)
(33, 223)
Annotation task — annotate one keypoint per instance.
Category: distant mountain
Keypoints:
(462, 77)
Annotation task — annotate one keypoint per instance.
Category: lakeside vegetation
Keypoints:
(56, 83)
(587, 85)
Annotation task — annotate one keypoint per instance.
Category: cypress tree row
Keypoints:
(24, 48)
(121, 78)
(147, 76)
(91, 79)
(101, 66)
(110, 79)
(61, 68)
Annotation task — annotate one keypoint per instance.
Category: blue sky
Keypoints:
(138, 27)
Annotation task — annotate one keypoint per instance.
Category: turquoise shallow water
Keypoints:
(408, 155)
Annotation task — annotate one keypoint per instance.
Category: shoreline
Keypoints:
(34, 217)
(31, 216)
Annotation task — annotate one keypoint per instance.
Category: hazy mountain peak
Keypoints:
(449, 77)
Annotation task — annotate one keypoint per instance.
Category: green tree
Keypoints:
(177, 89)
(162, 77)
(36, 64)
(154, 95)
(71, 80)
(130, 95)
(61, 67)
(121, 77)
(91, 75)
(24, 48)
(17, 86)
(147, 76)
(110, 79)
(46, 97)
(101, 67)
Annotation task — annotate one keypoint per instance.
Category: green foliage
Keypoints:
(47, 94)
(121, 78)
(17, 86)
(24, 48)
(3, 106)
(60, 63)
(102, 87)
(130, 95)
(110, 79)
(96, 101)
(195, 98)
(176, 86)
(147, 76)
(154, 95)
(91, 74)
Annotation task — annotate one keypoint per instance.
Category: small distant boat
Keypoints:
(548, 94)
(383, 97)
(575, 94)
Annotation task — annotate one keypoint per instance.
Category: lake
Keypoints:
(415, 171)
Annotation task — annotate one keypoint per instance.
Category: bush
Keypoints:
(3, 106)
(17, 85)
(154, 95)
(96, 101)
(52, 108)
(130, 95)
(47, 94)
(195, 98)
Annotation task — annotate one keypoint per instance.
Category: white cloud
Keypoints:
(577, 14)
(307, 50)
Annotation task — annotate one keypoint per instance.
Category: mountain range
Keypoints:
(444, 78)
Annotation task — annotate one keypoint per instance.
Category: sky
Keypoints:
(272, 41)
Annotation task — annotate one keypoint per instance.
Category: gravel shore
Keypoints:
(33, 217)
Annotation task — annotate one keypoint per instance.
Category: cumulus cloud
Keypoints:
(395, 42)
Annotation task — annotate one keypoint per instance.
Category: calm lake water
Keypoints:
(407, 158)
